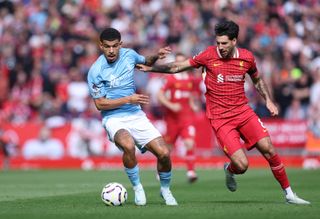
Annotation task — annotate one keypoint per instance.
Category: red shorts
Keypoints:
(175, 130)
(247, 127)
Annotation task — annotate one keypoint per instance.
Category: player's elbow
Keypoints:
(98, 107)
(98, 104)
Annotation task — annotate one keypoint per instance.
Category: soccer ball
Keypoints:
(114, 194)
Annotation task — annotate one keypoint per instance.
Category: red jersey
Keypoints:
(178, 89)
(224, 80)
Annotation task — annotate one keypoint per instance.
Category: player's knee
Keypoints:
(242, 166)
(164, 155)
(271, 150)
(242, 170)
(129, 149)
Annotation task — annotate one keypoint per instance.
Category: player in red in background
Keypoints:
(179, 97)
(227, 106)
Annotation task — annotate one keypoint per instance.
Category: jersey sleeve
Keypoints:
(198, 60)
(253, 71)
(139, 59)
(96, 88)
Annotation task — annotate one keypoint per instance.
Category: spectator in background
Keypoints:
(8, 146)
(78, 93)
(35, 34)
(315, 89)
(301, 90)
(43, 147)
(314, 110)
(82, 143)
(295, 111)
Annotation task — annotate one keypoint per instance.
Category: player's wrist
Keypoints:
(129, 99)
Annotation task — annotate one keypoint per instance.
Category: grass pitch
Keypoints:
(70, 194)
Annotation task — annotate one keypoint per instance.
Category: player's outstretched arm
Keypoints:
(171, 68)
(263, 90)
(162, 53)
(107, 104)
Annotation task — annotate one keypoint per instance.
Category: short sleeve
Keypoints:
(139, 59)
(95, 85)
(253, 71)
(199, 59)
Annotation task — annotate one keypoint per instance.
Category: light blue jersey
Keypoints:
(115, 80)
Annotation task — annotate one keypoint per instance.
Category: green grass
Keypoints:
(69, 194)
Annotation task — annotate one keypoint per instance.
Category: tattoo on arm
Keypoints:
(150, 60)
(169, 68)
(262, 88)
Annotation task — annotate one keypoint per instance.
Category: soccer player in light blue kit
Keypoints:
(111, 85)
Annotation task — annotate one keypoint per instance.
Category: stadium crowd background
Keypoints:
(47, 47)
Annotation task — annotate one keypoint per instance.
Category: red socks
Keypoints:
(190, 158)
(279, 171)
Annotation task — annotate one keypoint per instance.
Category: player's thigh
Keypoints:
(158, 147)
(229, 140)
(172, 132)
(239, 158)
(253, 131)
(265, 147)
(124, 140)
(188, 133)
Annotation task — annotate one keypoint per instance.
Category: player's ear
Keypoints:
(234, 41)
(100, 45)
(120, 44)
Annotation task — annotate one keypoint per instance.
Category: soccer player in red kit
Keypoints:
(179, 97)
(227, 107)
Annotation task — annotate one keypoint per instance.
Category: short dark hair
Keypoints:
(110, 34)
(228, 28)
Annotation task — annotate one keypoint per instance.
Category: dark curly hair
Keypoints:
(228, 28)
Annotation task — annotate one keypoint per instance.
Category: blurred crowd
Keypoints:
(47, 47)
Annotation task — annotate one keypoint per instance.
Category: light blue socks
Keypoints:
(165, 178)
(133, 175)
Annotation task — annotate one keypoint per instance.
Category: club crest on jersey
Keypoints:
(96, 89)
(241, 64)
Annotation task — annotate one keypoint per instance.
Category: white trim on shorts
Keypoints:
(138, 125)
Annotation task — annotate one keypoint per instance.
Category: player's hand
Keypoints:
(139, 99)
(142, 67)
(273, 109)
(163, 52)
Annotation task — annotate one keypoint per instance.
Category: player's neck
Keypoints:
(233, 53)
